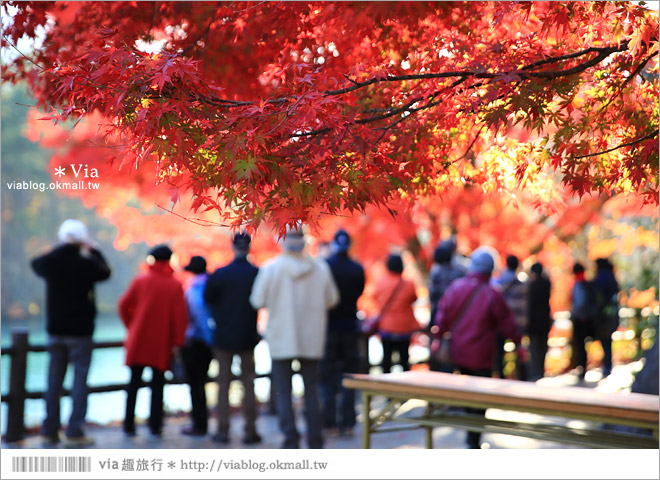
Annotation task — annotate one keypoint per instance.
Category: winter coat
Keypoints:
(473, 339)
(154, 312)
(515, 294)
(349, 278)
(440, 277)
(585, 305)
(70, 276)
(227, 295)
(607, 290)
(539, 306)
(297, 290)
(199, 318)
(398, 317)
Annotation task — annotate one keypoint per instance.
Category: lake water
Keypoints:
(108, 368)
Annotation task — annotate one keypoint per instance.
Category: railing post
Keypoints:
(17, 390)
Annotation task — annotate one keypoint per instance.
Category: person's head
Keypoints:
(604, 265)
(241, 244)
(443, 253)
(197, 265)
(161, 253)
(482, 262)
(341, 242)
(73, 231)
(537, 269)
(394, 263)
(578, 268)
(295, 239)
(512, 263)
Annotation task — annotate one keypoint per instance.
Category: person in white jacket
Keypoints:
(297, 290)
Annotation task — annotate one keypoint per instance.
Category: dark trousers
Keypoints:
(606, 341)
(281, 377)
(395, 345)
(340, 356)
(498, 356)
(473, 439)
(62, 351)
(538, 348)
(225, 359)
(196, 357)
(581, 330)
(157, 385)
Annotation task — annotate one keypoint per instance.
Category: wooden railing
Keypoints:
(18, 393)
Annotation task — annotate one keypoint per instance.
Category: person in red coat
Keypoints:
(154, 312)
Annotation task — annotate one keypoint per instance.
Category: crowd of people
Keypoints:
(312, 308)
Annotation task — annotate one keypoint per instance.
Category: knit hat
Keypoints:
(481, 261)
(295, 239)
(197, 265)
(342, 241)
(395, 263)
(442, 253)
(72, 231)
(242, 241)
(161, 252)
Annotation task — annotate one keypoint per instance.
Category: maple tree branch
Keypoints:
(474, 140)
(623, 145)
(630, 78)
(568, 56)
(603, 52)
(22, 54)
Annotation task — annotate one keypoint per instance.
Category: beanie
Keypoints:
(481, 262)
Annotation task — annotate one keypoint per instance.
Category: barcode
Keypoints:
(51, 464)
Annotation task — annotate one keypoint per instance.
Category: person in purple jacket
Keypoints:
(472, 312)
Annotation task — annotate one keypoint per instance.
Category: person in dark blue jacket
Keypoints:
(341, 346)
(227, 295)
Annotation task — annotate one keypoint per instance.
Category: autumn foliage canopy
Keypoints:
(285, 111)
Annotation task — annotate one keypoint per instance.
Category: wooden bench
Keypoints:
(441, 391)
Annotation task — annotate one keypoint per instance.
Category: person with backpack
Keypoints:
(583, 314)
(514, 292)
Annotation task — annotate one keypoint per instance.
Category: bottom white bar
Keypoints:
(326, 464)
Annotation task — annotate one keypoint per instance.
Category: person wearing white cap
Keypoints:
(297, 290)
(472, 313)
(71, 269)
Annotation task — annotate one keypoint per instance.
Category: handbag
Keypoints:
(370, 325)
(440, 350)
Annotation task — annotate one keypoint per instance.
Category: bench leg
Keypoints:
(428, 430)
(366, 423)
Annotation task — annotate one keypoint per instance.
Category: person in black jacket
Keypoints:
(227, 294)
(607, 320)
(70, 271)
(341, 345)
(539, 322)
